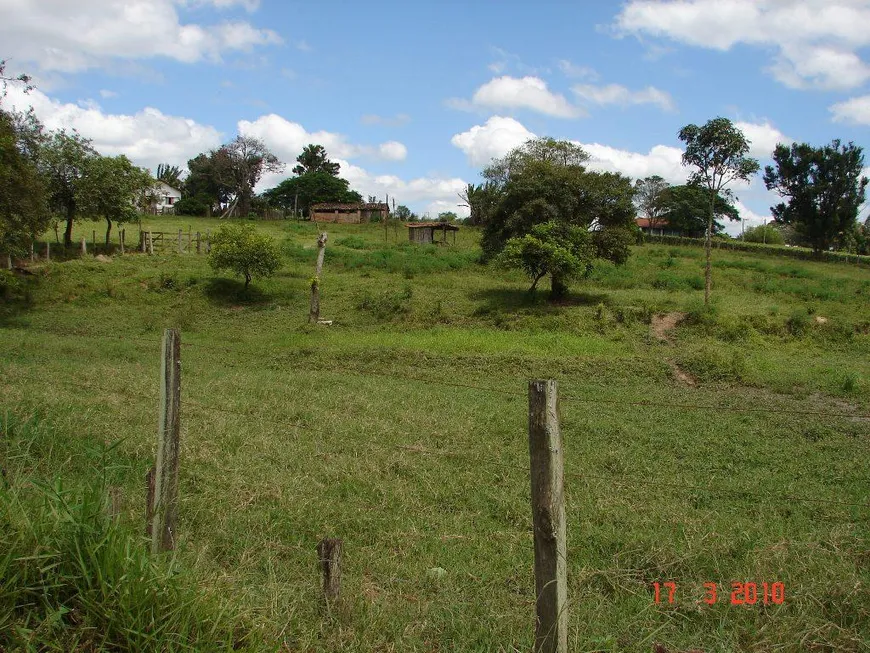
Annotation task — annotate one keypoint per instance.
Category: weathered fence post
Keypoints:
(314, 312)
(198, 244)
(329, 553)
(188, 239)
(123, 232)
(150, 243)
(179, 241)
(47, 251)
(94, 241)
(166, 477)
(84, 246)
(548, 513)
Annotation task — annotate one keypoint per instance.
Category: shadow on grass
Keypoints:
(230, 293)
(510, 300)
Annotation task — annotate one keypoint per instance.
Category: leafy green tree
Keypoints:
(823, 188)
(686, 209)
(243, 250)
(764, 233)
(552, 248)
(448, 216)
(544, 181)
(719, 153)
(314, 159)
(201, 188)
(402, 213)
(109, 188)
(169, 174)
(22, 79)
(480, 200)
(238, 167)
(308, 189)
(23, 198)
(63, 159)
(649, 195)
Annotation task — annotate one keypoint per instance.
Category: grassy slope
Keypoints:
(415, 473)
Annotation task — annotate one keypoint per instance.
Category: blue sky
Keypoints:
(414, 97)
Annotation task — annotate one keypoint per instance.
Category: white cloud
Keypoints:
(763, 138)
(69, 37)
(519, 93)
(620, 95)
(498, 136)
(661, 160)
(148, 137)
(816, 42)
(855, 110)
(286, 139)
(580, 72)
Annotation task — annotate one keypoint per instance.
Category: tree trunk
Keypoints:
(247, 281)
(708, 243)
(244, 207)
(558, 289)
(67, 234)
(108, 231)
(535, 282)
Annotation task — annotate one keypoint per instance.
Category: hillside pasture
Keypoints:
(732, 448)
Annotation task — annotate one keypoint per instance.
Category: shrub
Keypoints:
(387, 305)
(241, 249)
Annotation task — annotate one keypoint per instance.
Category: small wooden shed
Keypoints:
(428, 232)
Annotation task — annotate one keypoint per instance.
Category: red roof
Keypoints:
(643, 223)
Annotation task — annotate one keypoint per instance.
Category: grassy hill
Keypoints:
(732, 447)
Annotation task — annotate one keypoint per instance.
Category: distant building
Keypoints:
(349, 212)
(165, 197)
(427, 232)
(661, 228)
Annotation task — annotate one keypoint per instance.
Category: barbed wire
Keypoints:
(516, 393)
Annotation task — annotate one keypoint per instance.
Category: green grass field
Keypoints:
(402, 428)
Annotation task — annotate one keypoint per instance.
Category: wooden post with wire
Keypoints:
(179, 240)
(314, 311)
(329, 554)
(163, 532)
(546, 457)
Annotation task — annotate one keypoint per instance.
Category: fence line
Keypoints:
(264, 358)
(477, 462)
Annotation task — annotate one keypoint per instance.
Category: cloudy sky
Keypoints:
(413, 98)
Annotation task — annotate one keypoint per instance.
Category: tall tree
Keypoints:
(23, 199)
(109, 189)
(823, 188)
(202, 189)
(544, 181)
(314, 159)
(303, 191)
(719, 153)
(63, 159)
(648, 197)
(480, 200)
(169, 174)
(239, 165)
(402, 213)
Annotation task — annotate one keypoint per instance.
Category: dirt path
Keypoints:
(662, 325)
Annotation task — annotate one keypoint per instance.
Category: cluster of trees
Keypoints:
(48, 176)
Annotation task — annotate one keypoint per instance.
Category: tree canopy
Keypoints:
(314, 159)
(169, 174)
(649, 195)
(544, 181)
(823, 189)
(240, 248)
(238, 167)
(109, 188)
(63, 159)
(308, 189)
(686, 209)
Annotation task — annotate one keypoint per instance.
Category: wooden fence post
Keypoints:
(94, 240)
(548, 513)
(47, 251)
(8, 261)
(188, 239)
(314, 311)
(166, 477)
(329, 553)
(198, 244)
(123, 233)
(150, 243)
(208, 241)
(179, 241)
(84, 246)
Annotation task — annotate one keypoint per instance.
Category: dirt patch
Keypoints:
(682, 375)
(820, 319)
(662, 325)
(102, 258)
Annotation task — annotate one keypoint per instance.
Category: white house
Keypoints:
(165, 197)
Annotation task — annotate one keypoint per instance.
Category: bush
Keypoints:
(241, 249)
(387, 305)
(764, 233)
